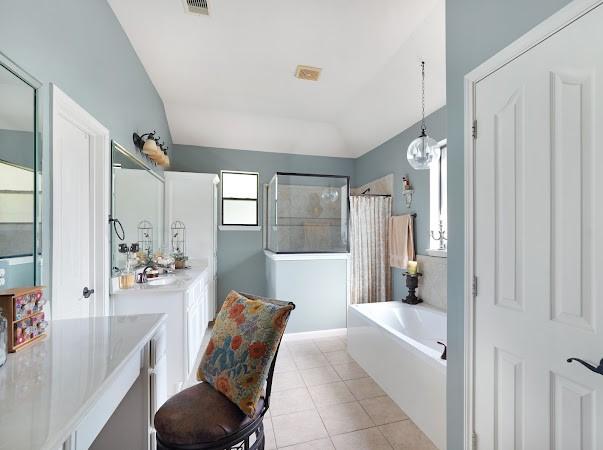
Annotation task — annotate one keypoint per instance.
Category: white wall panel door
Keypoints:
(539, 246)
(72, 205)
(80, 208)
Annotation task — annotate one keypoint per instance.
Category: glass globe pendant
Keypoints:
(424, 150)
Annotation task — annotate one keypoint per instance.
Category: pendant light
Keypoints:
(424, 150)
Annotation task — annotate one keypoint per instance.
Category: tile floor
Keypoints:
(323, 400)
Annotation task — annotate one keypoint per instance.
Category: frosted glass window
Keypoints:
(239, 212)
(239, 185)
(239, 198)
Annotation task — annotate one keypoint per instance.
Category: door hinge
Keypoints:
(474, 441)
(474, 286)
(474, 129)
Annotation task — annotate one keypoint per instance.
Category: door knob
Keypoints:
(87, 292)
(589, 366)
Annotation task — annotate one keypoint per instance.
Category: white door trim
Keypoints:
(63, 106)
(534, 37)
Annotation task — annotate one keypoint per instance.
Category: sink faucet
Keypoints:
(142, 276)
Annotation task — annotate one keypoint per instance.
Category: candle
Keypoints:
(412, 267)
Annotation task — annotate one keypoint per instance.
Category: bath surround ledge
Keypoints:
(305, 256)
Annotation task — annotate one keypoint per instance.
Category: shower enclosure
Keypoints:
(308, 213)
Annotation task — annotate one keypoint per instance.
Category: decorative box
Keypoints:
(24, 311)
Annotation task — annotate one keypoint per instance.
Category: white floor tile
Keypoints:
(330, 344)
(309, 361)
(344, 418)
(350, 371)
(320, 444)
(296, 428)
(363, 388)
(319, 375)
(290, 401)
(287, 380)
(339, 357)
(406, 435)
(331, 394)
(284, 364)
(370, 439)
(383, 410)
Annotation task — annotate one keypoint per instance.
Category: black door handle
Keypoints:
(589, 366)
(87, 292)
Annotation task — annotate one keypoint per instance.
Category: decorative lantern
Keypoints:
(178, 237)
(145, 237)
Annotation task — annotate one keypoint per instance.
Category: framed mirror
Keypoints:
(137, 208)
(20, 179)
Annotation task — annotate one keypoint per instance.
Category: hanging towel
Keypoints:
(401, 241)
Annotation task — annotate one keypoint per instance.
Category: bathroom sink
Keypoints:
(162, 281)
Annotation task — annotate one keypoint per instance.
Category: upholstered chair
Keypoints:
(210, 416)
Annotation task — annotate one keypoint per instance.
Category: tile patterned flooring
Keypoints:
(323, 400)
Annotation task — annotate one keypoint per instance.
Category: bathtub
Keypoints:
(397, 345)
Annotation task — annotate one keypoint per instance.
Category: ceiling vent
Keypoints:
(198, 7)
(308, 73)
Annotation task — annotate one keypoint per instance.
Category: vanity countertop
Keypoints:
(179, 281)
(48, 388)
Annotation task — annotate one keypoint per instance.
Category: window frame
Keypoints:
(240, 226)
(438, 197)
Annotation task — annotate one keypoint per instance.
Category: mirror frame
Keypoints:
(39, 180)
(116, 146)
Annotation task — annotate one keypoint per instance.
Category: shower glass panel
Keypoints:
(308, 213)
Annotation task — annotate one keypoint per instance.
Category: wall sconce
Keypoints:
(407, 191)
(148, 144)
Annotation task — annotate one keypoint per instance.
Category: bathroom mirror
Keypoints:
(137, 206)
(20, 186)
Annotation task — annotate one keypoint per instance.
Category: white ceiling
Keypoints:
(227, 80)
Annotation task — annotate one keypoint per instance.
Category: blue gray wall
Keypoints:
(390, 157)
(81, 47)
(241, 264)
(475, 31)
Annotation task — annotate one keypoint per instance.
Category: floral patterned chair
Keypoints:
(226, 411)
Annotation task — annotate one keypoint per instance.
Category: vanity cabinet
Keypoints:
(185, 301)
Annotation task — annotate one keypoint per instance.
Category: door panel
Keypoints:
(73, 207)
(538, 246)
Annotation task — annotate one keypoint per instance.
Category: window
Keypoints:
(438, 202)
(239, 198)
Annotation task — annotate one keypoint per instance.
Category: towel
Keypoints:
(401, 241)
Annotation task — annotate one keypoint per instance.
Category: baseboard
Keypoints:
(289, 337)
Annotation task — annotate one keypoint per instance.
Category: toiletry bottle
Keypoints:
(3, 338)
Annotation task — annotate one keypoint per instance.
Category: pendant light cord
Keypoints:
(423, 126)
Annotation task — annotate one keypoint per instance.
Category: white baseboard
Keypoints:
(290, 337)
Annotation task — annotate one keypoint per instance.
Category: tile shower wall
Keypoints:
(306, 221)
(433, 283)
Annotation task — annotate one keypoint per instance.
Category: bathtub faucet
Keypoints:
(444, 356)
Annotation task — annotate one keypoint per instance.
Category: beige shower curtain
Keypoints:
(369, 246)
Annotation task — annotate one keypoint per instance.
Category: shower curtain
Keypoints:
(369, 246)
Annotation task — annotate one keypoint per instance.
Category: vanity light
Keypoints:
(424, 150)
(149, 146)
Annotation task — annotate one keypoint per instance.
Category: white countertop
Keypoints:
(180, 280)
(47, 388)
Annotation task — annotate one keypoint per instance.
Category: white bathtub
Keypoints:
(397, 345)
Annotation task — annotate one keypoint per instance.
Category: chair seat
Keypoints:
(200, 415)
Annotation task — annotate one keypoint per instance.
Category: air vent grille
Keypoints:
(308, 73)
(197, 7)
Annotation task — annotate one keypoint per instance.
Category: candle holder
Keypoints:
(412, 282)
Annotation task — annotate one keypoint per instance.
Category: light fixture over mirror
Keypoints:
(423, 151)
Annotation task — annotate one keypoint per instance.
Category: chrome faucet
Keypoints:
(142, 276)
(441, 236)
